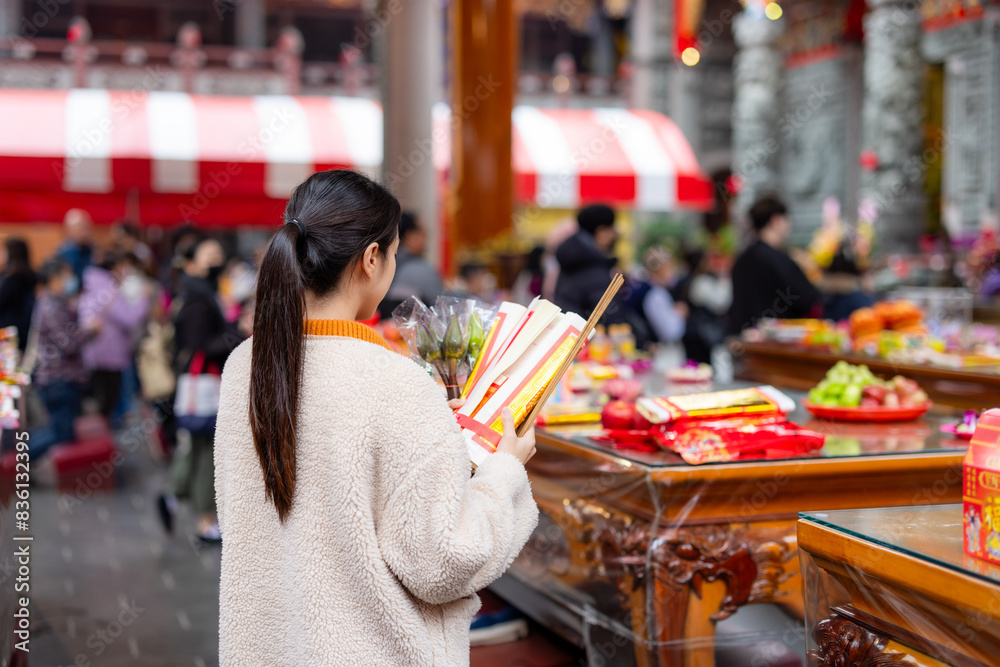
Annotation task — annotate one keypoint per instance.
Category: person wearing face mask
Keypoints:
(110, 353)
(59, 371)
(202, 338)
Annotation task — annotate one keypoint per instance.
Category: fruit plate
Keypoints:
(880, 414)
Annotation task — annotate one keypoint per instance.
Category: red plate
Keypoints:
(881, 414)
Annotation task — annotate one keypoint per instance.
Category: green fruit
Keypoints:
(834, 390)
(851, 397)
(816, 395)
(841, 446)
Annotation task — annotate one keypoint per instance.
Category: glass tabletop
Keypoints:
(932, 533)
(843, 439)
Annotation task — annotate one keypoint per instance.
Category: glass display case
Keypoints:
(892, 586)
(638, 555)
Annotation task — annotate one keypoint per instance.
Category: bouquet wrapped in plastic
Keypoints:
(448, 338)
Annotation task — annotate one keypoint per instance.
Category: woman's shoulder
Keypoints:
(336, 357)
(363, 356)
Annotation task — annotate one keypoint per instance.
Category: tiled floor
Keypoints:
(110, 588)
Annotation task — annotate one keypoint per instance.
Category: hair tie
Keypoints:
(298, 223)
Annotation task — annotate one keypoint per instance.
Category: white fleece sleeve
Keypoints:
(443, 534)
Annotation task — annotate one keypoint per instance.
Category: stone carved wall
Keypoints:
(971, 142)
(757, 76)
(812, 134)
(892, 121)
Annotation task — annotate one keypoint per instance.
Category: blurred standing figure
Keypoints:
(708, 293)
(528, 284)
(586, 264)
(665, 318)
(766, 281)
(475, 281)
(17, 289)
(414, 276)
(78, 248)
(121, 316)
(59, 372)
(125, 239)
(200, 331)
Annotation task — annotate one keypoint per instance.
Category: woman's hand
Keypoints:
(522, 448)
(456, 404)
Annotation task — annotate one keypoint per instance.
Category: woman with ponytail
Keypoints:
(352, 531)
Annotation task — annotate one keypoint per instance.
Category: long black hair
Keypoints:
(342, 213)
(18, 257)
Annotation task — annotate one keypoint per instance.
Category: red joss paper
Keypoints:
(740, 438)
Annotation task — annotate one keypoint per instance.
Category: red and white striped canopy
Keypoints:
(216, 160)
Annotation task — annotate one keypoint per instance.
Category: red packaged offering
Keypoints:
(735, 439)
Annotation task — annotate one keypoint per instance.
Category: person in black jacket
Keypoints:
(766, 281)
(586, 265)
(17, 289)
(200, 332)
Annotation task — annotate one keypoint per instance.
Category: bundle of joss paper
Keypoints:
(514, 356)
(731, 425)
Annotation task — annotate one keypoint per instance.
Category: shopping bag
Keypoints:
(156, 377)
(197, 402)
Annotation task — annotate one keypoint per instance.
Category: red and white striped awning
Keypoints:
(172, 157)
(216, 160)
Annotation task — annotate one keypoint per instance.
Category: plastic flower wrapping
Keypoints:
(447, 338)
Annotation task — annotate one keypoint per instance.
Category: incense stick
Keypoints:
(602, 305)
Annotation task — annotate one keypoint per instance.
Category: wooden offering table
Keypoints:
(800, 367)
(891, 587)
(638, 555)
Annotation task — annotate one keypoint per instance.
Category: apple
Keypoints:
(626, 390)
(618, 415)
(891, 400)
(640, 423)
(919, 397)
(875, 391)
(870, 402)
(904, 386)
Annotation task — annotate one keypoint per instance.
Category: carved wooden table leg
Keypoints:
(703, 575)
(843, 642)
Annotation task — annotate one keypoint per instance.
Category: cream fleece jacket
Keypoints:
(388, 538)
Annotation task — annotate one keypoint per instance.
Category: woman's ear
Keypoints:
(369, 261)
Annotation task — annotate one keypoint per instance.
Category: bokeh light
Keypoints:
(773, 11)
(690, 56)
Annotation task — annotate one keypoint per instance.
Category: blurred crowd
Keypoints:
(131, 331)
(110, 329)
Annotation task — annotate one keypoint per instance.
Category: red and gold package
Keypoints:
(981, 489)
(767, 437)
(764, 400)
